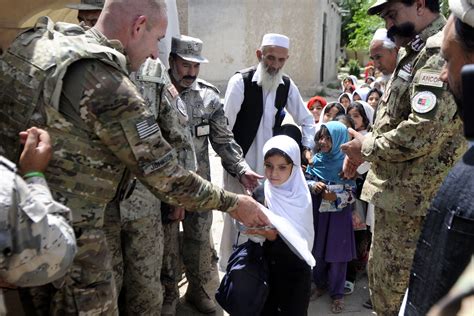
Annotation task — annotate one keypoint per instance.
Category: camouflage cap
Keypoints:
(189, 48)
(377, 7)
(88, 5)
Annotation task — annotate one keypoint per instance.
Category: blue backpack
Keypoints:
(244, 288)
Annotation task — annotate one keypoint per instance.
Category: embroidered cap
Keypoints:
(189, 48)
(463, 10)
(273, 39)
(87, 5)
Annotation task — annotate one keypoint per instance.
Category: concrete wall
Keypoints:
(232, 31)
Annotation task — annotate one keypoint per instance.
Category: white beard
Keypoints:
(267, 81)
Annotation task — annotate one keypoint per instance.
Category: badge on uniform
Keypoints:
(202, 130)
(405, 72)
(147, 127)
(430, 79)
(423, 102)
(181, 107)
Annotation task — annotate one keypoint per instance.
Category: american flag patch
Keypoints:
(147, 127)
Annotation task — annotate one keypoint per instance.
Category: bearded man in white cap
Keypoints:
(383, 52)
(254, 104)
(446, 245)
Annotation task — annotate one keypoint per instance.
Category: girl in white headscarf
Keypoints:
(287, 247)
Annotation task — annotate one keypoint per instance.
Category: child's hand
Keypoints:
(329, 196)
(319, 187)
(268, 233)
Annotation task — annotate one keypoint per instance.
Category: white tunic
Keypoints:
(295, 106)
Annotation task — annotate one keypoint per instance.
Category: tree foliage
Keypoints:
(357, 26)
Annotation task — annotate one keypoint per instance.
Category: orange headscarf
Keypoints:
(314, 99)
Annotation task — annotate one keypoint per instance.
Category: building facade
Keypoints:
(232, 31)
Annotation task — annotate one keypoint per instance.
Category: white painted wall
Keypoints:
(232, 30)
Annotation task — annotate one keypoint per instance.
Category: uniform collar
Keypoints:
(417, 43)
(115, 44)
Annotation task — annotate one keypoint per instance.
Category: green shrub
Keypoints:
(354, 68)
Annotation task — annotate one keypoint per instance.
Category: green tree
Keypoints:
(357, 26)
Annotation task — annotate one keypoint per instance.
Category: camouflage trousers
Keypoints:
(172, 263)
(391, 255)
(197, 252)
(87, 289)
(137, 251)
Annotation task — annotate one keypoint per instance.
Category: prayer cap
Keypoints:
(463, 10)
(273, 39)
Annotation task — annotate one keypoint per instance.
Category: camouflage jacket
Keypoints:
(417, 136)
(208, 123)
(37, 245)
(170, 111)
(155, 86)
(100, 126)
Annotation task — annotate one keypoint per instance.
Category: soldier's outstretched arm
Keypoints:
(39, 245)
(110, 104)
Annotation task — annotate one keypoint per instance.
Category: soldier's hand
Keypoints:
(349, 169)
(248, 212)
(177, 213)
(353, 148)
(270, 234)
(250, 180)
(37, 151)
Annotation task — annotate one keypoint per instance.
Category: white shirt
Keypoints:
(234, 97)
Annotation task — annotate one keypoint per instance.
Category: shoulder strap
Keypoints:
(280, 102)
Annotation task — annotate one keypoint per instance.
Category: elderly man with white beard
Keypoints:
(254, 104)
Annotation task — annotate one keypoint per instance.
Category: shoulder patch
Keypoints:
(423, 102)
(172, 90)
(181, 107)
(430, 79)
(207, 84)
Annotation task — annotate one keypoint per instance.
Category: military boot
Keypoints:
(198, 297)
(170, 301)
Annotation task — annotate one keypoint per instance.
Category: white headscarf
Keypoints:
(290, 204)
(369, 111)
(362, 92)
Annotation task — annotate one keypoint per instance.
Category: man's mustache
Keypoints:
(189, 78)
(406, 29)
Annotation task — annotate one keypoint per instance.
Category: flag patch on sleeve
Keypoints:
(147, 127)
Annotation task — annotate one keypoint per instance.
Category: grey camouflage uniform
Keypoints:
(411, 152)
(99, 125)
(37, 244)
(134, 233)
(207, 123)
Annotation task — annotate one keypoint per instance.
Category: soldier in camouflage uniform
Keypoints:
(134, 229)
(76, 84)
(208, 124)
(37, 245)
(416, 139)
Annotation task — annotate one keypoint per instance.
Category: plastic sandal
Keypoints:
(349, 287)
